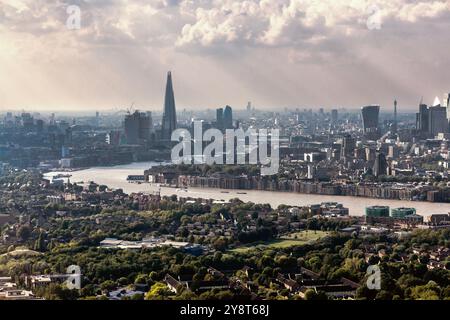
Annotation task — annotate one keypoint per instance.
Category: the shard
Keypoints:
(169, 121)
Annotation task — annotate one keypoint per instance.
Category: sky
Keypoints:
(107, 54)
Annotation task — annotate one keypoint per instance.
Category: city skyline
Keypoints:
(274, 53)
(169, 94)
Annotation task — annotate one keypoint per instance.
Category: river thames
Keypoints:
(115, 177)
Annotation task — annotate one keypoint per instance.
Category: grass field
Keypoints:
(293, 239)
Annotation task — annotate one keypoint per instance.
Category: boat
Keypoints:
(242, 193)
(224, 191)
(62, 175)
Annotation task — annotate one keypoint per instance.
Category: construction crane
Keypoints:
(127, 111)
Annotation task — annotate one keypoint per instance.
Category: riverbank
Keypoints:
(115, 177)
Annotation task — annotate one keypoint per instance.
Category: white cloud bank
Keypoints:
(323, 52)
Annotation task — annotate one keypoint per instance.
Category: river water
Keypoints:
(115, 177)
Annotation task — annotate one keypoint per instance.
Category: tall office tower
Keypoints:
(39, 125)
(145, 127)
(394, 125)
(169, 121)
(437, 120)
(446, 104)
(380, 166)
(9, 120)
(150, 119)
(27, 120)
(422, 118)
(219, 118)
(348, 146)
(228, 118)
(370, 116)
(97, 118)
(137, 128)
(249, 106)
(334, 116)
(131, 128)
(446, 100)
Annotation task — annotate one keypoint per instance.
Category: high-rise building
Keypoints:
(27, 120)
(145, 126)
(9, 120)
(446, 104)
(150, 119)
(437, 120)
(169, 121)
(334, 116)
(380, 166)
(228, 118)
(370, 116)
(137, 128)
(131, 128)
(219, 118)
(422, 118)
(348, 146)
(39, 126)
(446, 100)
(97, 119)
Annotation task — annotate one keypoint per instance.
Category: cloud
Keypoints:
(204, 23)
(411, 12)
(124, 48)
(296, 22)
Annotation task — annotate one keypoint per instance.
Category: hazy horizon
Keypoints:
(157, 112)
(274, 53)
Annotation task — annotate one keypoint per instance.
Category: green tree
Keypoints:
(430, 291)
(157, 292)
(311, 294)
(39, 244)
